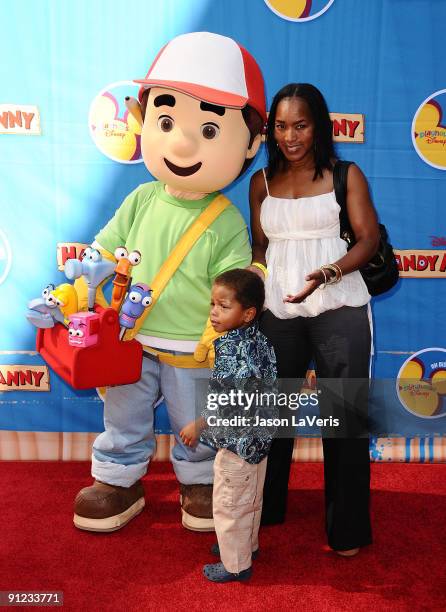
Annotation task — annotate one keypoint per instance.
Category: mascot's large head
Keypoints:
(203, 104)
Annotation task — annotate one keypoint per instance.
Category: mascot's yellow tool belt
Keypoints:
(178, 361)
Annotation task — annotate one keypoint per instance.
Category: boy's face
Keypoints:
(191, 145)
(226, 312)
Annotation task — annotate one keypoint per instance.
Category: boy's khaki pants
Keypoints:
(237, 507)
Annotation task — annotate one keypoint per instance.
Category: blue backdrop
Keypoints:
(381, 58)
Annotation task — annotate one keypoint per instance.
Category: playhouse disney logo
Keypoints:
(299, 10)
(421, 383)
(429, 130)
(114, 130)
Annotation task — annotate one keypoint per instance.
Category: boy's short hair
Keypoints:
(248, 287)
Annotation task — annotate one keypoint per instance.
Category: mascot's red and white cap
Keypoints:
(211, 68)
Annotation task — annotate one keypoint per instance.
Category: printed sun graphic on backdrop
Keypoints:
(429, 130)
(299, 10)
(421, 383)
(114, 130)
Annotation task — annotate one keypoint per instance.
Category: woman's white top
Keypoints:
(303, 235)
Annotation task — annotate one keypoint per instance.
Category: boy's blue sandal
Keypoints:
(216, 572)
(215, 550)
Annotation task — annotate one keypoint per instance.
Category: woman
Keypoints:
(316, 300)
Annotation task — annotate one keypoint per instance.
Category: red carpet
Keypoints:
(154, 564)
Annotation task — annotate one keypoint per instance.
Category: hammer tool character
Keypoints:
(93, 267)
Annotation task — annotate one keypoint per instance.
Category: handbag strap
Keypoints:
(340, 172)
(178, 253)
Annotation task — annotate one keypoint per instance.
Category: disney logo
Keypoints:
(438, 241)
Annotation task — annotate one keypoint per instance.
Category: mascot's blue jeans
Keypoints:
(122, 452)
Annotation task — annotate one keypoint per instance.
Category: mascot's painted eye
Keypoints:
(210, 131)
(121, 252)
(59, 303)
(166, 123)
(95, 255)
(135, 297)
(79, 333)
(72, 332)
(135, 258)
(146, 301)
(46, 291)
(87, 253)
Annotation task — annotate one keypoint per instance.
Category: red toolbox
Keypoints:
(109, 362)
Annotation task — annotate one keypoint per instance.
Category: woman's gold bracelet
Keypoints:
(339, 274)
(333, 279)
(324, 284)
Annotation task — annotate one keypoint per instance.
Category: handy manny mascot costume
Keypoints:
(203, 109)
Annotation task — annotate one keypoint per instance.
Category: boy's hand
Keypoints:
(190, 434)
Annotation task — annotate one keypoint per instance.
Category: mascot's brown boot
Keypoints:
(103, 507)
(196, 507)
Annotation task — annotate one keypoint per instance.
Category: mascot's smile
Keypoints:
(182, 171)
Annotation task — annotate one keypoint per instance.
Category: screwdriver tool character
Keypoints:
(138, 299)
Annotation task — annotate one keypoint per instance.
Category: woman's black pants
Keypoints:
(339, 342)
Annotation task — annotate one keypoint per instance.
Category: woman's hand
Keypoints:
(314, 280)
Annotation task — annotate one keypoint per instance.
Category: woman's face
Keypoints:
(294, 129)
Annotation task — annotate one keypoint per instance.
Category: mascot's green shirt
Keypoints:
(152, 221)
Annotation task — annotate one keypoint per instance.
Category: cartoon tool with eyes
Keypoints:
(123, 279)
(137, 300)
(43, 311)
(45, 294)
(202, 104)
(83, 329)
(94, 268)
(65, 298)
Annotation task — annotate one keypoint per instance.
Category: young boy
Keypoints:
(244, 364)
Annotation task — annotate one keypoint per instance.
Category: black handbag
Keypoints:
(381, 273)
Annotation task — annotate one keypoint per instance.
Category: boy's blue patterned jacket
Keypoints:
(244, 362)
